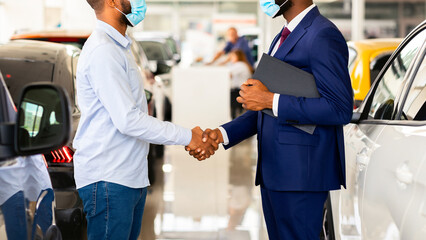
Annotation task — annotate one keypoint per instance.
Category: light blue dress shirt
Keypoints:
(114, 132)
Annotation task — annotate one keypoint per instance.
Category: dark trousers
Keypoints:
(236, 107)
(293, 215)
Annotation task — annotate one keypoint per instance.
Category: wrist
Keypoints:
(219, 135)
(269, 100)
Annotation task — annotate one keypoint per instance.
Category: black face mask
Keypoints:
(284, 8)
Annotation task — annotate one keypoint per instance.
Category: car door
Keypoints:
(407, 137)
(352, 215)
(388, 182)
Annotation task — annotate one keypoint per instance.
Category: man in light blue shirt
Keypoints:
(113, 136)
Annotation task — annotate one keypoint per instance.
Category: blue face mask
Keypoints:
(138, 12)
(270, 7)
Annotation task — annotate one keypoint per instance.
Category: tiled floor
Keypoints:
(211, 200)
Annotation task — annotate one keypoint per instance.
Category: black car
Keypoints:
(23, 62)
(26, 197)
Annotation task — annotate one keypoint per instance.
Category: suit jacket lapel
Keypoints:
(298, 33)
(274, 42)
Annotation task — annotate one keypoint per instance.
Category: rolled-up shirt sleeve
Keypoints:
(109, 79)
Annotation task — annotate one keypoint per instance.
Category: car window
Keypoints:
(19, 72)
(352, 57)
(415, 105)
(156, 51)
(382, 105)
(172, 45)
(377, 64)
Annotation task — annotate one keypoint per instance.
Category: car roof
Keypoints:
(33, 50)
(53, 34)
(373, 44)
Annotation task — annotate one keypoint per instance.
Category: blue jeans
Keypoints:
(112, 211)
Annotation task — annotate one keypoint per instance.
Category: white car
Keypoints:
(385, 148)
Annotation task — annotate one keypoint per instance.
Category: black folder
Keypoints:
(283, 78)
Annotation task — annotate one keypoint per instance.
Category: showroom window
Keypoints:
(390, 84)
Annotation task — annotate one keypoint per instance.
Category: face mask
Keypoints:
(138, 12)
(270, 7)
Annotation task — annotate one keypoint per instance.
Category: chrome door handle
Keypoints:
(404, 175)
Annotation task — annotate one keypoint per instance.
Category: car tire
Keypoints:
(327, 230)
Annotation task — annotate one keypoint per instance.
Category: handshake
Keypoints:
(204, 143)
(254, 96)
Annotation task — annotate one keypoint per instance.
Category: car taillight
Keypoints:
(62, 155)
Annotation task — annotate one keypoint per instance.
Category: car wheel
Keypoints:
(327, 231)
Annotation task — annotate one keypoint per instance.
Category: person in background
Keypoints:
(234, 42)
(241, 70)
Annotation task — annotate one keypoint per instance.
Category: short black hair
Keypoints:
(97, 5)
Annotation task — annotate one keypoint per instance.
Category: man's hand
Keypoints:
(208, 136)
(255, 96)
(201, 148)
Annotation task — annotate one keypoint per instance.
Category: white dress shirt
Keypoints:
(113, 136)
(291, 26)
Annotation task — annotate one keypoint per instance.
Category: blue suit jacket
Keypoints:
(290, 159)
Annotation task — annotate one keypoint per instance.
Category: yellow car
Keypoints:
(366, 59)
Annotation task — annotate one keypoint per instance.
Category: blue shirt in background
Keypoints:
(241, 44)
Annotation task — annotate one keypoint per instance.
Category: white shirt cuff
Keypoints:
(275, 104)
(224, 135)
(186, 136)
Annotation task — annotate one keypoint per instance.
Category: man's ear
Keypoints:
(111, 3)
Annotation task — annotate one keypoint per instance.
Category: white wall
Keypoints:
(2, 23)
(77, 14)
(20, 15)
(31, 15)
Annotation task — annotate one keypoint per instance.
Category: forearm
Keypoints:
(317, 111)
(152, 130)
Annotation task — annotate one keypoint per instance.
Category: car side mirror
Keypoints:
(43, 121)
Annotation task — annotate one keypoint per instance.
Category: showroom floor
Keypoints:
(216, 199)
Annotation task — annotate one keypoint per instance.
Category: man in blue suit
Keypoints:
(295, 169)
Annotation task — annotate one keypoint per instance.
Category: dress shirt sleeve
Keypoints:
(275, 104)
(109, 79)
(224, 135)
